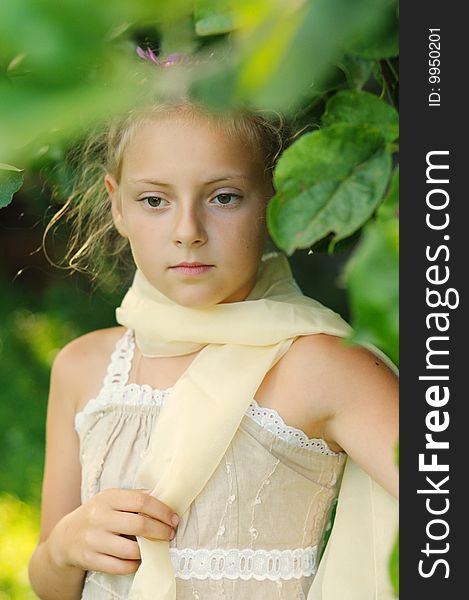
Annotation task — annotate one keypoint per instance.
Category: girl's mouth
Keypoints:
(196, 270)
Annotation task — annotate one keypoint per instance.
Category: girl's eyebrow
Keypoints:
(223, 178)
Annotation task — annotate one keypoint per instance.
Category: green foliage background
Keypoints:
(329, 65)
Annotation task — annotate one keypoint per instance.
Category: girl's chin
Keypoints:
(206, 300)
(196, 299)
(198, 294)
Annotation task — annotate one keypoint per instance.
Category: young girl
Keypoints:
(197, 450)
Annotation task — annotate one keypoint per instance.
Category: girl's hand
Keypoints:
(99, 534)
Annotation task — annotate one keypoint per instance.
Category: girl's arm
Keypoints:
(74, 537)
(50, 577)
(365, 422)
(357, 396)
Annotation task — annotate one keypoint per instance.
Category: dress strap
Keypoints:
(121, 361)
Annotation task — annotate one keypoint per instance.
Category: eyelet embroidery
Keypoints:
(234, 563)
(131, 394)
(121, 361)
(269, 419)
(116, 391)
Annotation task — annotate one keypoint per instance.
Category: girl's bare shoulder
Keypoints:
(323, 367)
(357, 395)
(81, 364)
(90, 345)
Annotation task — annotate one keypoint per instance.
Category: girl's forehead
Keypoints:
(191, 127)
(179, 141)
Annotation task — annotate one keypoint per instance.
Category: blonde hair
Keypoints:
(94, 245)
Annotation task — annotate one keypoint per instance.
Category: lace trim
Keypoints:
(244, 564)
(269, 419)
(116, 391)
(134, 394)
(121, 360)
(131, 394)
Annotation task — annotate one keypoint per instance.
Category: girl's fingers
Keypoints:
(128, 523)
(119, 547)
(112, 565)
(140, 501)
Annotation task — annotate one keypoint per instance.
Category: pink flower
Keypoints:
(171, 59)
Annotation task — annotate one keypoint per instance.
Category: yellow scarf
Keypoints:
(239, 343)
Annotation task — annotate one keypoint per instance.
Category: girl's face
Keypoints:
(191, 193)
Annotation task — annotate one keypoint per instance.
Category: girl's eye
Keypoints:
(152, 201)
(225, 198)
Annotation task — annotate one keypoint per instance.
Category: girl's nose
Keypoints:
(189, 228)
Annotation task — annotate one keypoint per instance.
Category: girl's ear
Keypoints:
(116, 207)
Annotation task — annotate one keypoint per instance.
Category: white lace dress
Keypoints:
(256, 530)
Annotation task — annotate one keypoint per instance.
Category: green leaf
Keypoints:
(31, 115)
(327, 181)
(11, 179)
(394, 567)
(382, 40)
(362, 108)
(71, 67)
(177, 36)
(357, 70)
(213, 17)
(389, 208)
(289, 55)
(372, 279)
(215, 86)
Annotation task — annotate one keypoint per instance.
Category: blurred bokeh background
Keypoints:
(64, 66)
